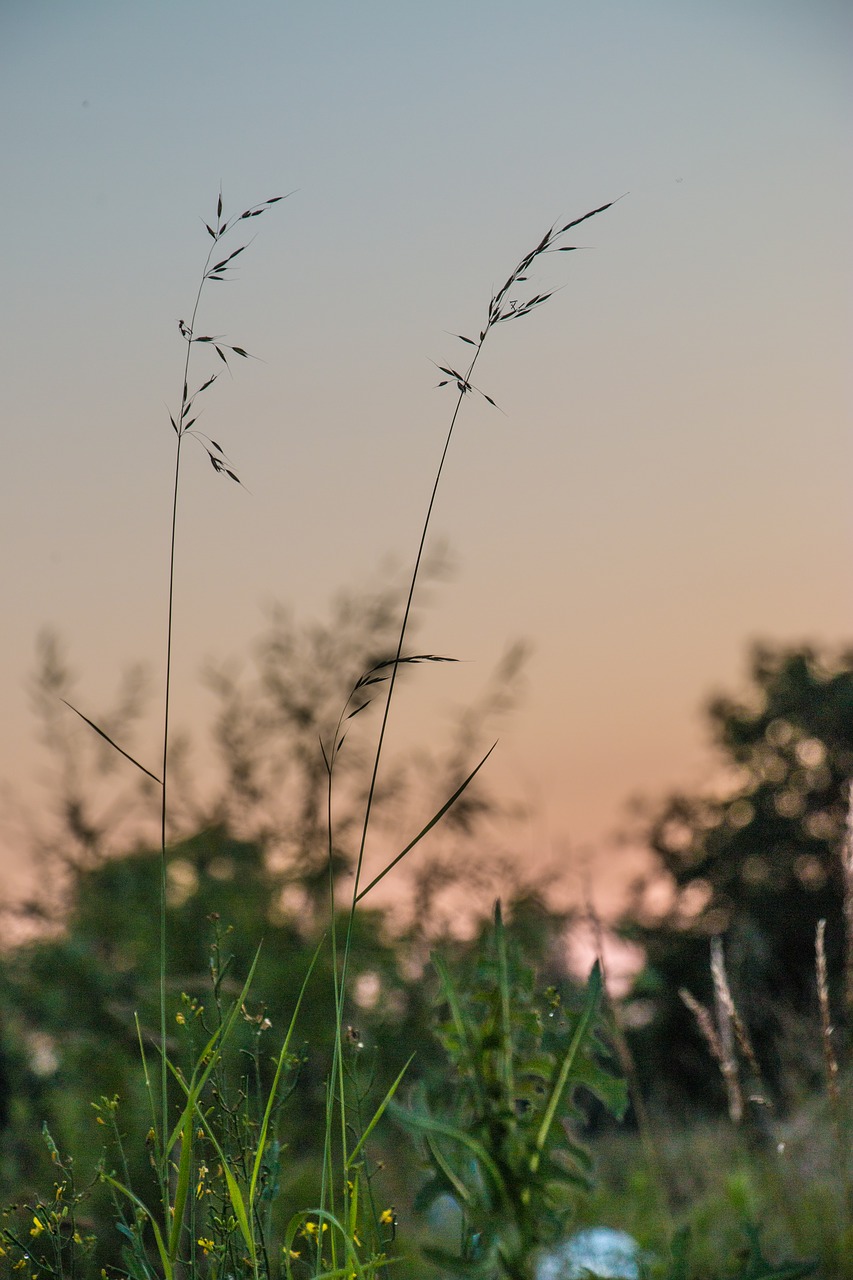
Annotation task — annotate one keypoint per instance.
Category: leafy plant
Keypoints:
(498, 1136)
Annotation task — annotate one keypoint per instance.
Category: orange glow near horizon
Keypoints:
(666, 480)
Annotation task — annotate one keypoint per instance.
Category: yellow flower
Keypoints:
(37, 1228)
(310, 1228)
(387, 1217)
(180, 1019)
(205, 1244)
(294, 1253)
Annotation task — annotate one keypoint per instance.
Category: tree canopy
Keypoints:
(756, 861)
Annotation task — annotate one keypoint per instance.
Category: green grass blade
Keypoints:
(429, 826)
(106, 737)
(450, 995)
(210, 1055)
(182, 1185)
(428, 1124)
(158, 1152)
(462, 1192)
(168, 1269)
(590, 1009)
(185, 1129)
(235, 1195)
(506, 1024)
(265, 1123)
(321, 1216)
(378, 1114)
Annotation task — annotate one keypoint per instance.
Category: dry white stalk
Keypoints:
(829, 1059)
(728, 1067)
(726, 1012)
(847, 876)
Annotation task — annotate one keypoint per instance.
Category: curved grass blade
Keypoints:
(459, 1021)
(461, 1192)
(184, 1128)
(378, 1114)
(582, 1030)
(235, 1195)
(168, 1269)
(429, 826)
(282, 1057)
(323, 1217)
(208, 1055)
(428, 1125)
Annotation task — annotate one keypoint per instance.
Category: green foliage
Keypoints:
(498, 1132)
(751, 1264)
(62, 1052)
(760, 865)
(212, 1154)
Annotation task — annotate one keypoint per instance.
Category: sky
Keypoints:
(668, 478)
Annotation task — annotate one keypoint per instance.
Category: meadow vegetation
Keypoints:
(220, 1057)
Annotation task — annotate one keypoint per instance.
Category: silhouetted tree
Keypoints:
(757, 862)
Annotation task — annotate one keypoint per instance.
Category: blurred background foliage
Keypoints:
(756, 860)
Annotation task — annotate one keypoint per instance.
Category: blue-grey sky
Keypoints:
(670, 477)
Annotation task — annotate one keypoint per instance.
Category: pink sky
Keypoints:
(670, 479)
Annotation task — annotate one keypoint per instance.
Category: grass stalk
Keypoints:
(503, 306)
(183, 426)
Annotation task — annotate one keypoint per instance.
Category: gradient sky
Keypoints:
(671, 479)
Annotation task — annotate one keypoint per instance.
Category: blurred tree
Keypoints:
(248, 867)
(69, 1006)
(73, 998)
(271, 716)
(756, 862)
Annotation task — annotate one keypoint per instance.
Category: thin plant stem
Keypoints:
(502, 307)
(183, 426)
(167, 702)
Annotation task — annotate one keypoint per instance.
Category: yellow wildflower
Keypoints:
(311, 1228)
(37, 1228)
